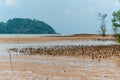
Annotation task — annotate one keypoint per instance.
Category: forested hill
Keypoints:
(25, 26)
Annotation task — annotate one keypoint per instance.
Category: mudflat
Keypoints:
(48, 67)
(44, 67)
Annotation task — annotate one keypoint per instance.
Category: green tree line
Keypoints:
(25, 26)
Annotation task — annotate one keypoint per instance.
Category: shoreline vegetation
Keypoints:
(94, 52)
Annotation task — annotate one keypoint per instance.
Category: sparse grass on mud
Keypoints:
(94, 52)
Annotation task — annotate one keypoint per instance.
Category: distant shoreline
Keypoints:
(38, 38)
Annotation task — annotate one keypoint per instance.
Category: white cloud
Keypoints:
(10, 3)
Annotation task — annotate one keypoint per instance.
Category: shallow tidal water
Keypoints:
(6, 46)
(55, 68)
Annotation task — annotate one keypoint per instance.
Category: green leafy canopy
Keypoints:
(25, 26)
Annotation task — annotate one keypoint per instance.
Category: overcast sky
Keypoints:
(65, 16)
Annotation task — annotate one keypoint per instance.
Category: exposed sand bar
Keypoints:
(44, 39)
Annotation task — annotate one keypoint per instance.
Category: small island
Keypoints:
(25, 26)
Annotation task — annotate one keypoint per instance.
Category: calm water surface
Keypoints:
(5, 46)
(26, 35)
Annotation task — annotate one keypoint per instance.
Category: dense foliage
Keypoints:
(118, 38)
(116, 19)
(116, 22)
(25, 26)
